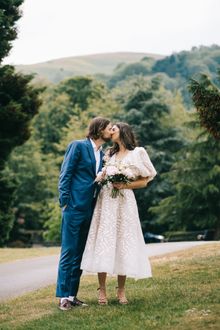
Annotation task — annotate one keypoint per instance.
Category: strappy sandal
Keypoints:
(102, 299)
(121, 296)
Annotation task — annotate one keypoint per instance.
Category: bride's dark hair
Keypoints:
(126, 136)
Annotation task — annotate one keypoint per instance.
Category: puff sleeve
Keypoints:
(143, 163)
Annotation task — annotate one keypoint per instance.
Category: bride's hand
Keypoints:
(139, 183)
(119, 185)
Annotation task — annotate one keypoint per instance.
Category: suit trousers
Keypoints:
(74, 232)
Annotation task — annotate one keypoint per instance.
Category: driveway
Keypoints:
(22, 276)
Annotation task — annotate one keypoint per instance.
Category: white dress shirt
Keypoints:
(97, 154)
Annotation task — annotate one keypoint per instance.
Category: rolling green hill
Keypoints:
(59, 69)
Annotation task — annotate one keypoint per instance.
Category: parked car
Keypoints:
(153, 238)
(207, 235)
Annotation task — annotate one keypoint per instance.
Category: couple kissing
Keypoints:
(101, 231)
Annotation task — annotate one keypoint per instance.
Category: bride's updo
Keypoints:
(126, 136)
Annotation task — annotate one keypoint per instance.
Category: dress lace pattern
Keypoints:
(115, 243)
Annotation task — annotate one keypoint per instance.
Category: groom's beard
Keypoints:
(104, 138)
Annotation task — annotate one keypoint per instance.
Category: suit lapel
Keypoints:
(91, 154)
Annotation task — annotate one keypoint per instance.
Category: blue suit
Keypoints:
(78, 191)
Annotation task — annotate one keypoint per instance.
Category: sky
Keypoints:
(51, 29)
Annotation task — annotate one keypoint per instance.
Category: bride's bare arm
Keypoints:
(139, 183)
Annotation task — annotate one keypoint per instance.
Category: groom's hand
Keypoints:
(63, 208)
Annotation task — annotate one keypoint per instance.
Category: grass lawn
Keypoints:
(184, 294)
(12, 254)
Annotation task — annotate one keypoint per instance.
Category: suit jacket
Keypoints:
(77, 188)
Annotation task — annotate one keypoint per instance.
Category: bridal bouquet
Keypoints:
(112, 173)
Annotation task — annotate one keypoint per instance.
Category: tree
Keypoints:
(34, 178)
(61, 103)
(195, 203)
(186, 64)
(9, 14)
(206, 98)
(122, 72)
(19, 102)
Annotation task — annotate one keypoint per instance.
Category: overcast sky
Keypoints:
(52, 29)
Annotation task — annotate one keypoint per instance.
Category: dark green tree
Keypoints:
(195, 203)
(206, 98)
(9, 14)
(19, 102)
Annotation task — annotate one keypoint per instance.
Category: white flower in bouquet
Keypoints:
(111, 170)
(128, 172)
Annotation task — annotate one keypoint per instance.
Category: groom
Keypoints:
(78, 192)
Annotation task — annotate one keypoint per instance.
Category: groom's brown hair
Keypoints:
(96, 126)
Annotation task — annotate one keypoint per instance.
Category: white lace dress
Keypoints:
(115, 243)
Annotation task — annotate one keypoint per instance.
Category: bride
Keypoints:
(115, 243)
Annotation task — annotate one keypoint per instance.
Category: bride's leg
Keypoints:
(102, 299)
(121, 290)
